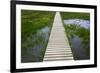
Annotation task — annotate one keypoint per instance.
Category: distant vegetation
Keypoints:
(75, 15)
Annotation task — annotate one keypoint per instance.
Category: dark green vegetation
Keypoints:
(75, 15)
(34, 20)
(35, 31)
(73, 30)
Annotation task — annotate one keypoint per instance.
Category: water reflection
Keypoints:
(78, 48)
(81, 22)
(39, 41)
(79, 38)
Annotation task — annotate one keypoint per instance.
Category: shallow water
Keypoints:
(78, 48)
(77, 44)
(39, 41)
(81, 22)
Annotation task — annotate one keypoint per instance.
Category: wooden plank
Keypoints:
(57, 56)
(69, 55)
(58, 50)
(64, 53)
(61, 58)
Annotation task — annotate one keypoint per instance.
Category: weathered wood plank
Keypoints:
(60, 58)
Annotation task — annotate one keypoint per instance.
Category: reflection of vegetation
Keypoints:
(77, 30)
(83, 33)
(31, 22)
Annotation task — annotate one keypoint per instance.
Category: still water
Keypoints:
(81, 22)
(77, 44)
(39, 41)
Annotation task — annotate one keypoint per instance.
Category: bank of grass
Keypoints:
(72, 30)
(75, 15)
(31, 22)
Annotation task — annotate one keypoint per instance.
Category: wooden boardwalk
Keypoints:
(58, 47)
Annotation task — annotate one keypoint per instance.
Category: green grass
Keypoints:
(34, 20)
(75, 15)
(31, 22)
(77, 30)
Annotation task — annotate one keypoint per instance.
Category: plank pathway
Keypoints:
(58, 47)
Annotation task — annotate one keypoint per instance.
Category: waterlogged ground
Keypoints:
(78, 32)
